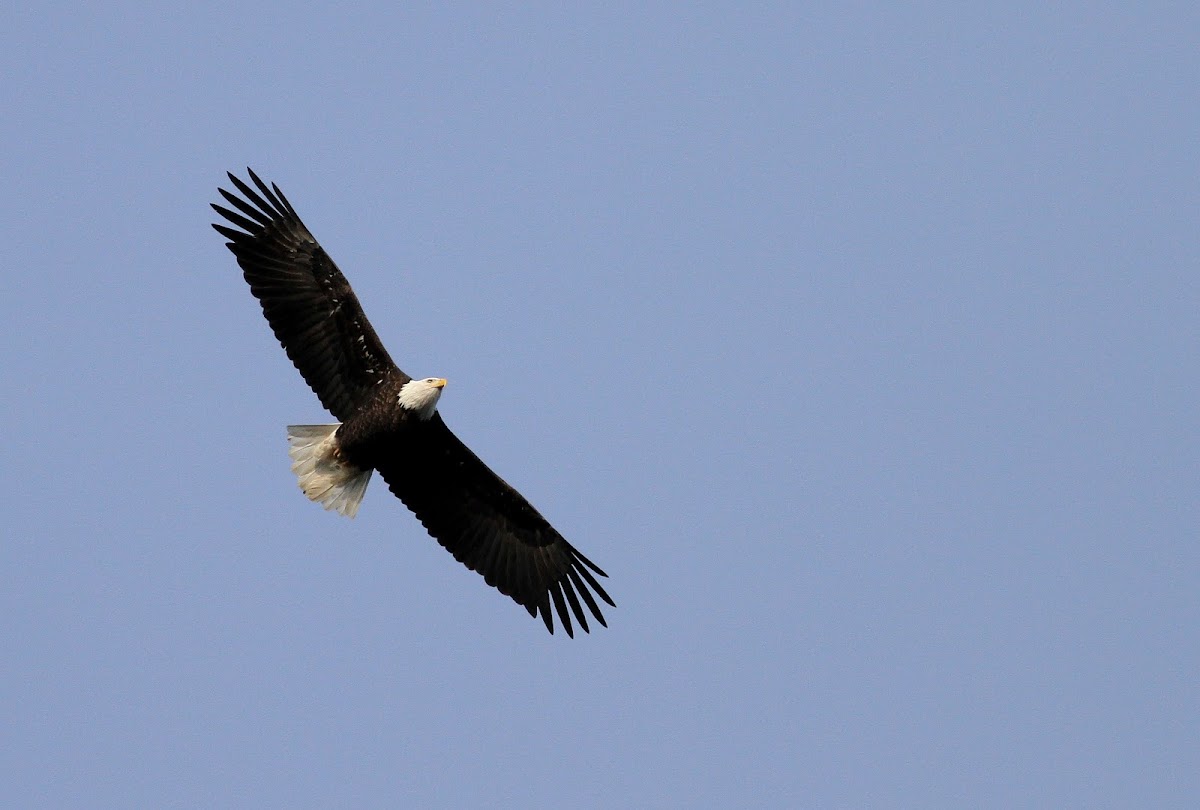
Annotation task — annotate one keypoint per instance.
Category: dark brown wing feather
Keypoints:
(306, 299)
(488, 526)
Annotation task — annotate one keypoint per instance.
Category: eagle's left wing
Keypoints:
(488, 526)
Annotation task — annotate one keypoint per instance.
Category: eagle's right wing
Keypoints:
(306, 299)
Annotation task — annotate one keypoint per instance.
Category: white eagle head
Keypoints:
(422, 396)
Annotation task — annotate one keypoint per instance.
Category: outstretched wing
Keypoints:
(306, 299)
(489, 527)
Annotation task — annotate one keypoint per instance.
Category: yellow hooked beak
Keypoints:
(440, 382)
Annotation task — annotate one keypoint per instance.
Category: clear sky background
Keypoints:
(858, 344)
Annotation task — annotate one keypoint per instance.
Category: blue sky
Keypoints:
(857, 344)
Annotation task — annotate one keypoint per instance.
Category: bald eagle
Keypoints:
(389, 421)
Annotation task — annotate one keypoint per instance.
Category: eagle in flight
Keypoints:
(388, 421)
